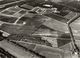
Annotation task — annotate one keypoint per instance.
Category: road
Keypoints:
(16, 50)
(48, 52)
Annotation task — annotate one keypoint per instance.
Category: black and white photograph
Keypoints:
(39, 28)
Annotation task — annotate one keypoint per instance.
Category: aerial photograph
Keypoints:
(39, 28)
